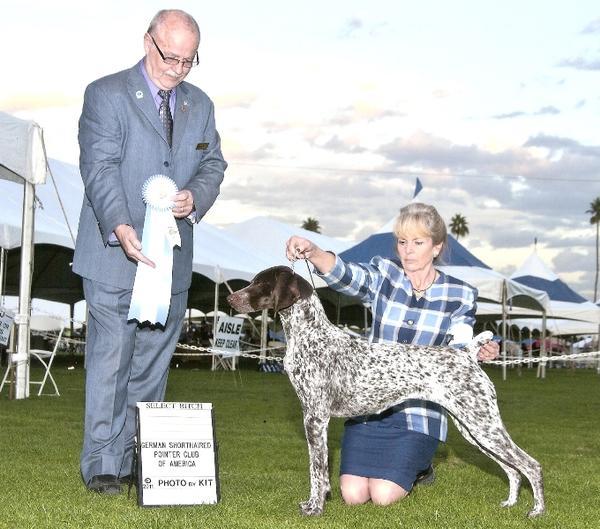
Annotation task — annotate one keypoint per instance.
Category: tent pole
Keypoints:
(22, 319)
(2, 273)
(264, 327)
(598, 349)
(504, 330)
(542, 365)
(216, 308)
(530, 347)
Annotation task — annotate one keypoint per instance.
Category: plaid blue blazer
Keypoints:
(400, 317)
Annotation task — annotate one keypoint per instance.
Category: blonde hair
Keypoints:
(422, 220)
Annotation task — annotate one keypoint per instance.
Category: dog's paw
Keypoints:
(311, 507)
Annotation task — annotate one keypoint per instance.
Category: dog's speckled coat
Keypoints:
(336, 375)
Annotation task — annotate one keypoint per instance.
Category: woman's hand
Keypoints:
(489, 351)
(301, 248)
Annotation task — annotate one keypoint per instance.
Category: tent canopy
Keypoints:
(22, 155)
(384, 245)
(457, 262)
(564, 302)
(217, 254)
(534, 273)
(268, 237)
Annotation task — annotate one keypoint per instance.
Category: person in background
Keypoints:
(135, 124)
(383, 456)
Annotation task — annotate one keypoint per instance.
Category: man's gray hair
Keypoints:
(186, 18)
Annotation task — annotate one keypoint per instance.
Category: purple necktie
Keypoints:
(164, 111)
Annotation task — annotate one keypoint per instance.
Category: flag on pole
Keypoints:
(418, 187)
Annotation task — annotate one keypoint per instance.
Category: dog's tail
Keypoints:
(481, 339)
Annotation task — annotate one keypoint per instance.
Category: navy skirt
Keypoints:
(378, 449)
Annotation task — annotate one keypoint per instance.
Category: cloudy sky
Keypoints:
(330, 109)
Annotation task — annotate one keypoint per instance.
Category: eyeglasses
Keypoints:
(186, 63)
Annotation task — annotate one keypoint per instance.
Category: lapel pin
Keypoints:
(184, 106)
(139, 94)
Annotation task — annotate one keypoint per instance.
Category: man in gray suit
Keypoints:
(135, 124)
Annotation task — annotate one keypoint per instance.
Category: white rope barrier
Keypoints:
(251, 353)
(534, 360)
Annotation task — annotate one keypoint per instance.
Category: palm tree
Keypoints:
(458, 226)
(311, 224)
(595, 219)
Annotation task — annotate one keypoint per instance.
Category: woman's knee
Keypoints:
(384, 492)
(355, 489)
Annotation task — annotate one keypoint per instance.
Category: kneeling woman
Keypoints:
(384, 455)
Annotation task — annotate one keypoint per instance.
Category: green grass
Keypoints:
(264, 467)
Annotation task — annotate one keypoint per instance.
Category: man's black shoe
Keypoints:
(105, 484)
(427, 477)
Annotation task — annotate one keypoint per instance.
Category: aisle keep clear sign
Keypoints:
(177, 455)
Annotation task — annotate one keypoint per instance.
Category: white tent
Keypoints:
(221, 256)
(557, 327)
(22, 160)
(268, 237)
(564, 302)
(218, 255)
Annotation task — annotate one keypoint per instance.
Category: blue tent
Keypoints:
(384, 245)
(534, 273)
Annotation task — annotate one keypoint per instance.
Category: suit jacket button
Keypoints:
(166, 164)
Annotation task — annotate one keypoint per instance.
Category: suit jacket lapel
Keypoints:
(182, 111)
(140, 93)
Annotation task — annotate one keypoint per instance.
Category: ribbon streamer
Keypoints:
(151, 297)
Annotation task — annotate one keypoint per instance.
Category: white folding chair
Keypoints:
(46, 324)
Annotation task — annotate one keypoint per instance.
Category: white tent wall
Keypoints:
(268, 237)
(23, 160)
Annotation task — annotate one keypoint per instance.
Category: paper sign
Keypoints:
(177, 456)
(6, 322)
(227, 337)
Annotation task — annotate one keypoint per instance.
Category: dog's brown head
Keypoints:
(275, 288)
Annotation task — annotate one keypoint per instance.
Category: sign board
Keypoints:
(6, 322)
(177, 455)
(227, 337)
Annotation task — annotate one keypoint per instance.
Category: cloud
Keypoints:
(593, 27)
(336, 144)
(510, 115)
(426, 151)
(361, 111)
(351, 27)
(554, 143)
(581, 63)
(544, 111)
(356, 27)
(548, 110)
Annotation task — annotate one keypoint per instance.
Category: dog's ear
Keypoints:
(289, 288)
(302, 286)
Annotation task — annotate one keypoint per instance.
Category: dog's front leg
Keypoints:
(315, 427)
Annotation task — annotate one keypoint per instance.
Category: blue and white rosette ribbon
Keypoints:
(151, 295)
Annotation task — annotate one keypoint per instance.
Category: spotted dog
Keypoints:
(336, 375)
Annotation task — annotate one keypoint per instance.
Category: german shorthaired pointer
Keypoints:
(336, 375)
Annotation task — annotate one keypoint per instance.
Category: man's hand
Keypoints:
(183, 204)
(489, 351)
(131, 244)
